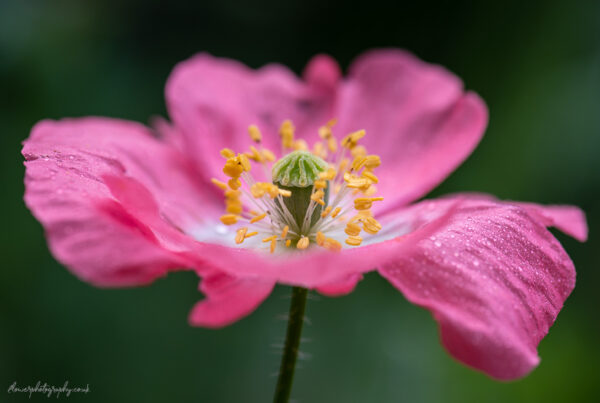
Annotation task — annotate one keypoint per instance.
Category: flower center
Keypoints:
(294, 208)
(297, 172)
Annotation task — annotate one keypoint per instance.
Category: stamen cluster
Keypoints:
(348, 180)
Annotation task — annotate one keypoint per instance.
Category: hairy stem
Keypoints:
(292, 343)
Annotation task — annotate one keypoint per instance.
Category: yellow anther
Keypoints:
(254, 212)
(343, 164)
(355, 182)
(371, 190)
(325, 132)
(240, 235)
(363, 213)
(233, 168)
(272, 190)
(234, 207)
(300, 145)
(371, 225)
(352, 228)
(354, 240)
(369, 175)
(219, 184)
(268, 155)
(285, 231)
(358, 163)
(257, 190)
(287, 134)
(320, 184)
(255, 155)
(319, 150)
(370, 230)
(326, 212)
(351, 140)
(244, 162)
(273, 245)
(269, 238)
(233, 201)
(320, 238)
(254, 133)
(303, 243)
(337, 188)
(227, 153)
(335, 212)
(373, 161)
(318, 194)
(258, 218)
(332, 245)
(332, 144)
(288, 243)
(232, 194)
(358, 151)
(365, 203)
(286, 125)
(362, 204)
(332, 122)
(250, 234)
(285, 193)
(318, 197)
(234, 183)
(229, 219)
(328, 175)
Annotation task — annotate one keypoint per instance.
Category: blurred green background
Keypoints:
(537, 65)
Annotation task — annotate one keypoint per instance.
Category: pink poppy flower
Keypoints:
(123, 205)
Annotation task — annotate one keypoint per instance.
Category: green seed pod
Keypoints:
(297, 172)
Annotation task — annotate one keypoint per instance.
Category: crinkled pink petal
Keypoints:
(322, 72)
(493, 277)
(418, 119)
(228, 299)
(417, 116)
(569, 219)
(212, 101)
(341, 287)
(110, 197)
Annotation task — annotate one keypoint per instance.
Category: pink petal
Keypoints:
(228, 299)
(110, 196)
(417, 116)
(569, 219)
(341, 287)
(213, 101)
(322, 71)
(493, 277)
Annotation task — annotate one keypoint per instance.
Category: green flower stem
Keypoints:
(292, 343)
